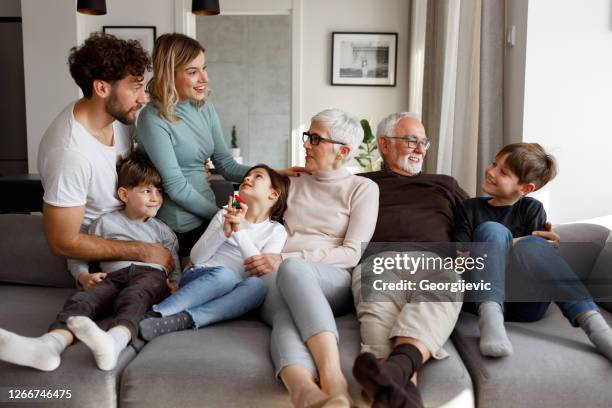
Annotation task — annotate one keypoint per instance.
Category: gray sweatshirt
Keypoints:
(115, 225)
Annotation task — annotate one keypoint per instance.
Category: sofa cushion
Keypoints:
(553, 365)
(229, 365)
(25, 255)
(29, 311)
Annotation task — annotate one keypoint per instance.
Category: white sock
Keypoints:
(494, 341)
(120, 337)
(42, 353)
(102, 344)
(599, 333)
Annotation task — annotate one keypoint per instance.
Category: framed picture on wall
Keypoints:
(364, 59)
(145, 34)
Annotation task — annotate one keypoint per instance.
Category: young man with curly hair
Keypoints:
(77, 161)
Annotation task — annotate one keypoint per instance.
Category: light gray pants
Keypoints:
(302, 299)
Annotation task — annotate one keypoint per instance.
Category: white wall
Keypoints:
(319, 19)
(255, 7)
(159, 13)
(568, 100)
(49, 30)
(52, 27)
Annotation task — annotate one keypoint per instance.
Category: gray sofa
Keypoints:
(228, 364)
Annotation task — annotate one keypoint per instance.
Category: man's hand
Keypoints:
(158, 254)
(262, 264)
(293, 171)
(549, 235)
(88, 280)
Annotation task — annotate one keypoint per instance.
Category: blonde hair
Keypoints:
(170, 53)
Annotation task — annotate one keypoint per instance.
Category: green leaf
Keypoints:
(367, 131)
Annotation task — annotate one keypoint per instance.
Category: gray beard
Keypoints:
(408, 166)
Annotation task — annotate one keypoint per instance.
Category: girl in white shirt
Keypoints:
(216, 287)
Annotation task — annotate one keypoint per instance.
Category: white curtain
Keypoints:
(462, 98)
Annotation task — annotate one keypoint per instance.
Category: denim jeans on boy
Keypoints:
(536, 268)
(213, 294)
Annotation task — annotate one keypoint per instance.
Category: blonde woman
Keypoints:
(179, 130)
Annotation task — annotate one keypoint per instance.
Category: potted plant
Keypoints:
(235, 150)
(366, 158)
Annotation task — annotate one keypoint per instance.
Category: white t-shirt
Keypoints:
(77, 169)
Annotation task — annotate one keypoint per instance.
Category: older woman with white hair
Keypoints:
(330, 214)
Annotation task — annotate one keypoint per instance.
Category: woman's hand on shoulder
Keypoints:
(208, 177)
(262, 264)
(294, 171)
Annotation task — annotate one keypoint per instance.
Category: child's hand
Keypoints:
(236, 217)
(172, 287)
(188, 264)
(88, 280)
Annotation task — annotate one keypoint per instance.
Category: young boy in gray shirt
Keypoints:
(126, 289)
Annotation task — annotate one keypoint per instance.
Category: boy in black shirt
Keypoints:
(503, 225)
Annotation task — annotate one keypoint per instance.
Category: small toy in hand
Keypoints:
(237, 201)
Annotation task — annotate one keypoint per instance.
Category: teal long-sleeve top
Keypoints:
(178, 151)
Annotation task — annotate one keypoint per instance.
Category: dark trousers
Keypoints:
(126, 294)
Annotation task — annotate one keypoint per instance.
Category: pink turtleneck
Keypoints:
(329, 215)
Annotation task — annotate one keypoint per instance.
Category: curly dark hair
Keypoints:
(107, 58)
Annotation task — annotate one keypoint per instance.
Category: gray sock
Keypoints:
(152, 327)
(494, 341)
(599, 333)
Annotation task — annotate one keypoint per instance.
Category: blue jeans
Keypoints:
(212, 295)
(536, 268)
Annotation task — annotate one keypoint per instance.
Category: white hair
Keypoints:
(341, 127)
(386, 127)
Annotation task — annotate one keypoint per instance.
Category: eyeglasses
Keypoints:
(412, 141)
(315, 139)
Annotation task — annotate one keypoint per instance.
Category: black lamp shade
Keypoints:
(205, 7)
(92, 7)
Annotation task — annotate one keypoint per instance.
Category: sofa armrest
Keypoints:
(25, 255)
(601, 277)
(588, 250)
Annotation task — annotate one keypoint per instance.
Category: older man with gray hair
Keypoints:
(400, 333)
